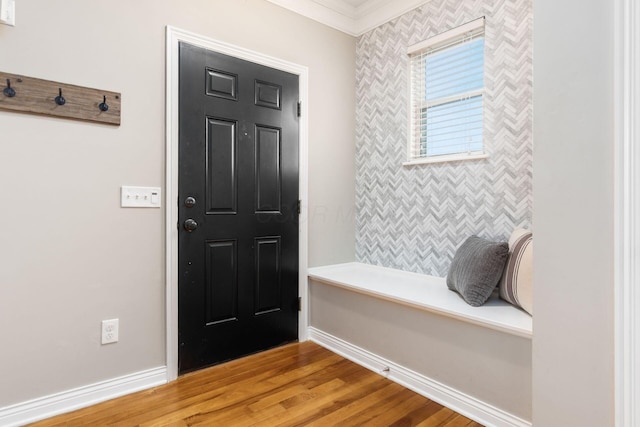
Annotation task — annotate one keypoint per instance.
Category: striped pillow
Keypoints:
(516, 285)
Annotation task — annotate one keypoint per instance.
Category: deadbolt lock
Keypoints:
(190, 202)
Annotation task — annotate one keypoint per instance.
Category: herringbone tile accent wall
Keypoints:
(414, 218)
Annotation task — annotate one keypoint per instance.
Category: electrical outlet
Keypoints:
(110, 331)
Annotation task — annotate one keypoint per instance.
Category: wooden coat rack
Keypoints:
(37, 96)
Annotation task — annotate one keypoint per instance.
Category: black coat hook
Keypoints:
(60, 99)
(103, 105)
(9, 91)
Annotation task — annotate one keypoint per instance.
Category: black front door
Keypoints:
(238, 208)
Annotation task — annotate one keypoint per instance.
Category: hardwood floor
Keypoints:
(295, 385)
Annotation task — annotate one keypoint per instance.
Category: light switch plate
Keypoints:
(140, 197)
(8, 12)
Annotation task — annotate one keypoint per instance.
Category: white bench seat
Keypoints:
(424, 292)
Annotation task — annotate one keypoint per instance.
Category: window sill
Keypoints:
(448, 158)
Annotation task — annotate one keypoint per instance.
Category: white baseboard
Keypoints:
(456, 400)
(66, 401)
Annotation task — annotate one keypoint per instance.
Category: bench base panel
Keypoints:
(456, 400)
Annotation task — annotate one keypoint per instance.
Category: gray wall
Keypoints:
(414, 218)
(69, 255)
(573, 359)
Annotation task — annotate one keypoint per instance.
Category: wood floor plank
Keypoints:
(417, 415)
(440, 418)
(367, 416)
(295, 385)
(458, 421)
(399, 410)
(357, 406)
(320, 397)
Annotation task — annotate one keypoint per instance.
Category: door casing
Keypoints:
(174, 36)
(627, 212)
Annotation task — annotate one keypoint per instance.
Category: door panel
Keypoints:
(221, 84)
(238, 162)
(221, 166)
(268, 178)
(221, 274)
(268, 295)
(267, 95)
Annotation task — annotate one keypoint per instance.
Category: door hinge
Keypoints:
(299, 303)
(299, 108)
(299, 207)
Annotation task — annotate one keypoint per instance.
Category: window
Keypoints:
(447, 86)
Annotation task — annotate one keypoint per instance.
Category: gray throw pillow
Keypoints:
(476, 269)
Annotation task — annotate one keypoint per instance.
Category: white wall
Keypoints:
(573, 213)
(69, 255)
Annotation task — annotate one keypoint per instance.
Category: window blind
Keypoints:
(447, 85)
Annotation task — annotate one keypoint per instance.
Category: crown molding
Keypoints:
(374, 13)
(342, 16)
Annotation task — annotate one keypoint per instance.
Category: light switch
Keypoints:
(140, 197)
(8, 12)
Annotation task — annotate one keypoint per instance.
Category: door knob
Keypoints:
(190, 202)
(190, 225)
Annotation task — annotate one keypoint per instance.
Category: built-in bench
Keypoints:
(424, 292)
(474, 360)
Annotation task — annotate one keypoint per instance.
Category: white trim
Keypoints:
(339, 19)
(70, 400)
(456, 400)
(627, 209)
(339, 6)
(447, 36)
(381, 12)
(447, 158)
(354, 21)
(174, 36)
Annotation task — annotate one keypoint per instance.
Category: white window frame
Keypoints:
(453, 37)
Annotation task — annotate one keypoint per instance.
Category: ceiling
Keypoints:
(354, 17)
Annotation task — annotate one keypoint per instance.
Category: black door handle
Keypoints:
(190, 225)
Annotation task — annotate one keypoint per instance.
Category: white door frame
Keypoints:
(627, 211)
(174, 36)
